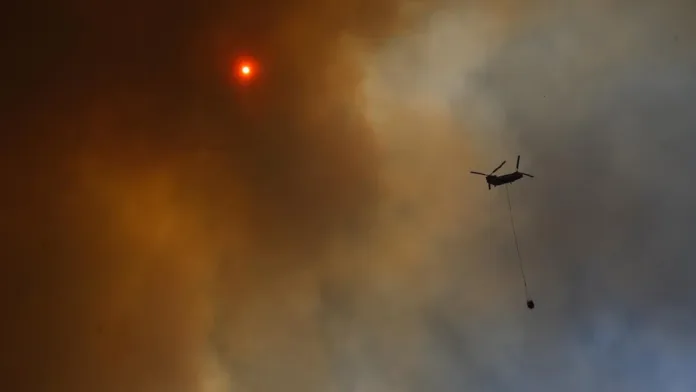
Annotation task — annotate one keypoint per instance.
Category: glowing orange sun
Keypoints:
(243, 70)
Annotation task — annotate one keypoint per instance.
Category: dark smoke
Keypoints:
(167, 229)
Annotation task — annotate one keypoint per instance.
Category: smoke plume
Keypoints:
(166, 228)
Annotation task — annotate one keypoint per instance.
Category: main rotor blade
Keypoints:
(528, 175)
(479, 173)
(518, 163)
(498, 168)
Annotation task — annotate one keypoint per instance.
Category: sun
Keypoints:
(244, 70)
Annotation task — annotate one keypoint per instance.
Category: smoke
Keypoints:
(593, 97)
(167, 229)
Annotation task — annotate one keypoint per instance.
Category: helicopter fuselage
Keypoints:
(504, 179)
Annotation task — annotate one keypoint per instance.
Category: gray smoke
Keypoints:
(317, 230)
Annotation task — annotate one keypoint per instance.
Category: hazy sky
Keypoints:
(167, 229)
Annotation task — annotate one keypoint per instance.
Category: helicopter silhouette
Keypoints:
(495, 181)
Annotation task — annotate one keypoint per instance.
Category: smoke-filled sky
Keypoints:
(165, 228)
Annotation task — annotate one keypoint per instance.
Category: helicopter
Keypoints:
(495, 181)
